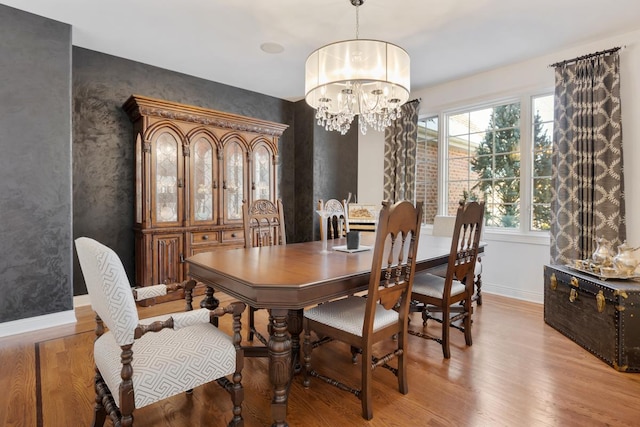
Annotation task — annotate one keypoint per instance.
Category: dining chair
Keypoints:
(383, 314)
(337, 223)
(263, 226)
(443, 225)
(143, 361)
(433, 292)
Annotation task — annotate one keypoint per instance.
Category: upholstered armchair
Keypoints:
(142, 361)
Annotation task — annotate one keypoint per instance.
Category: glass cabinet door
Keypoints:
(165, 188)
(262, 173)
(234, 180)
(203, 180)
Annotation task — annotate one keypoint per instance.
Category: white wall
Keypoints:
(513, 264)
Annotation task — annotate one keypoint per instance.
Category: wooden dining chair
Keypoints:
(337, 223)
(143, 361)
(263, 226)
(361, 322)
(432, 292)
(443, 225)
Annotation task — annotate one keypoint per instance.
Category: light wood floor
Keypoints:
(519, 372)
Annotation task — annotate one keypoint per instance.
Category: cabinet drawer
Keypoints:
(205, 237)
(203, 248)
(232, 236)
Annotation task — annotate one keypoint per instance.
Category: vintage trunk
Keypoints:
(601, 316)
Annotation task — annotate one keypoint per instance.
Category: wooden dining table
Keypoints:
(287, 278)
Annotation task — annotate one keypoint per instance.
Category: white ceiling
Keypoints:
(220, 40)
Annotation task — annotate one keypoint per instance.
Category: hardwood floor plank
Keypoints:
(17, 385)
(519, 371)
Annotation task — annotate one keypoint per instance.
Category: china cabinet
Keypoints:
(193, 169)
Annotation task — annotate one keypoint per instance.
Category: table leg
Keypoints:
(279, 366)
(210, 302)
(295, 329)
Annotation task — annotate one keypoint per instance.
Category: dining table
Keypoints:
(285, 279)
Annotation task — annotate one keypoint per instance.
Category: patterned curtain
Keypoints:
(400, 144)
(587, 196)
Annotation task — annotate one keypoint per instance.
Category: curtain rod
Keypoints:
(591, 55)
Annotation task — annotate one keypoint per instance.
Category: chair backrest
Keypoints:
(337, 223)
(263, 223)
(394, 260)
(464, 244)
(109, 289)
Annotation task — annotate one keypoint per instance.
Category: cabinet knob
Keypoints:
(205, 237)
(234, 235)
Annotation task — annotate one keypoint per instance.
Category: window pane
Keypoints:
(541, 217)
(459, 124)
(459, 168)
(542, 190)
(480, 120)
(427, 167)
(506, 141)
(459, 146)
(542, 136)
(543, 107)
(489, 168)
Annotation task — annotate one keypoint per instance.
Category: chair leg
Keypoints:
(446, 325)
(403, 385)
(354, 354)
(367, 410)
(467, 321)
(252, 323)
(100, 413)
(237, 396)
(478, 284)
(306, 348)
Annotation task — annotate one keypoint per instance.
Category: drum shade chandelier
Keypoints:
(369, 78)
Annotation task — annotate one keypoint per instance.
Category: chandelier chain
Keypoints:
(357, 21)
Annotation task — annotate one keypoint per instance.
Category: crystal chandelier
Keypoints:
(369, 78)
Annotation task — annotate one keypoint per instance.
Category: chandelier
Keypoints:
(369, 78)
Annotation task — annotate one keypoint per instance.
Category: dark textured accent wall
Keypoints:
(35, 165)
(335, 165)
(103, 156)
(326, 168)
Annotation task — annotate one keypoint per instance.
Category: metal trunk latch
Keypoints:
(600, 301)
(573, 295)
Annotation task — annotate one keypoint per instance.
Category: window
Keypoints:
(542, 131)
(427, 167)
(499, 153)
(483, 162)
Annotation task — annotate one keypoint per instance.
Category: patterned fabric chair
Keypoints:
(337, 224)
(140, 362)
(432, 292)
(361, 322)
(263, 226)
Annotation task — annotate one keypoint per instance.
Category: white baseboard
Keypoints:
(505, 291)
(31, 324)
(81, 300)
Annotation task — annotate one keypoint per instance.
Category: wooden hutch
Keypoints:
(193, 169)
